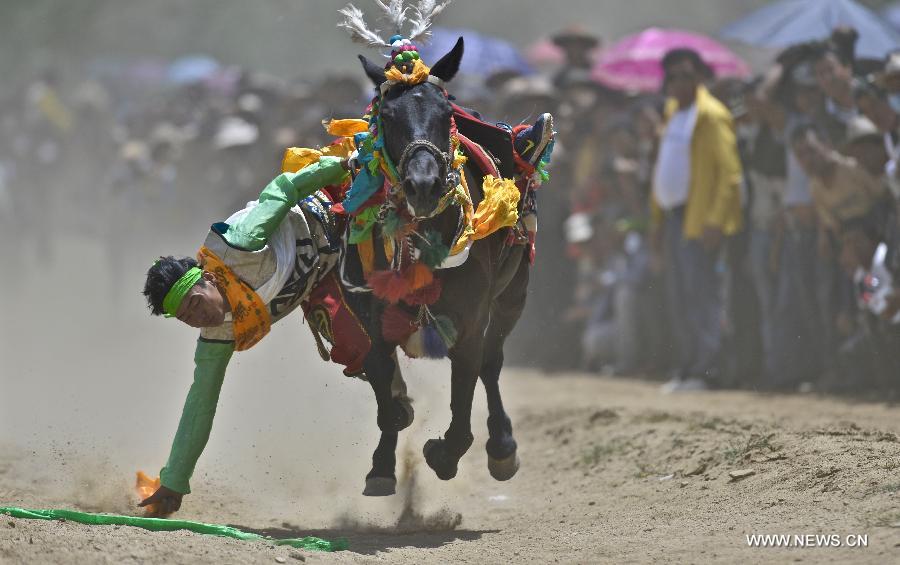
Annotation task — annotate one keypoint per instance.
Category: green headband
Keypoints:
(178, 291)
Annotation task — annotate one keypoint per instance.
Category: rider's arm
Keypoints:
(253, 230)
(210, 360)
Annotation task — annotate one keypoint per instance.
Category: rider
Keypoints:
(253, 271)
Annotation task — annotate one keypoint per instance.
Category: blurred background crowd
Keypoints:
(800, 292)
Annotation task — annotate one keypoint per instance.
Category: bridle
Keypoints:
(451, 176)
(444, 160)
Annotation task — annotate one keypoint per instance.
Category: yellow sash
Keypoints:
(250, 316)
(497, 210)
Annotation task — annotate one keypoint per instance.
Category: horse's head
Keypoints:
(415, 124)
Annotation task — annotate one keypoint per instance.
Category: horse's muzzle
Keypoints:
(423, 186)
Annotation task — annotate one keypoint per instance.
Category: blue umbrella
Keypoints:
(892, 15)
(484, 55)
(192, 68)
(788, 22)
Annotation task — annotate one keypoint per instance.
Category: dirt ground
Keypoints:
(612, 471)
(91, 388)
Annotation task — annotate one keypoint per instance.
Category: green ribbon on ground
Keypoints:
(168, 525)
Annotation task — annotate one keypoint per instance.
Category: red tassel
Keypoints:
(389, 285)
(397, 325)
(427, 296)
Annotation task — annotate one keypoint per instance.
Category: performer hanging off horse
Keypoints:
(441, 250)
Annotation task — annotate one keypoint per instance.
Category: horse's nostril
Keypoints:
(423, 184)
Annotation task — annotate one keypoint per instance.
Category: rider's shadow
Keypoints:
(367, 540)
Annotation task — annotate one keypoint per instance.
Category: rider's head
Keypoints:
(178, 288)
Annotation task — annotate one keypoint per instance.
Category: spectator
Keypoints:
(578, 47)
(696, 196)
(833, 65)
(842, 189)
(765, 163)
(873, 103)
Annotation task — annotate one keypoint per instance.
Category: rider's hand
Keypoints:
(166, 501)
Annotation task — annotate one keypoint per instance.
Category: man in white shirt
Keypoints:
(673, 165)
(696, 197)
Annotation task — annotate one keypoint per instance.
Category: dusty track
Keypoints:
(612, 472)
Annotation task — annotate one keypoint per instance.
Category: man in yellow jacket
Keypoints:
(696, 203)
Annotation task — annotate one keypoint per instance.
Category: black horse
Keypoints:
(484, 297)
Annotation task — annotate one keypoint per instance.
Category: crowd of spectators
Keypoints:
(719, 233)
(729, 233)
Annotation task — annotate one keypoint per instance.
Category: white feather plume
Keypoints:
(394, 13)
(425, 12)
(355, 23)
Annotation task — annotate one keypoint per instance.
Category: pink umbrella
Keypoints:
(544, 52)
(633, 63)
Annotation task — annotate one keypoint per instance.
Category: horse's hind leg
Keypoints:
(503, 461)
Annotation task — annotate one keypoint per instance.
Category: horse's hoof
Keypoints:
(504, 469)
(435, 453)
(380, 486)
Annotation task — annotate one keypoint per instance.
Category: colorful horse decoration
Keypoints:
(438, 243)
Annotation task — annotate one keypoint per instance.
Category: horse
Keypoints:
(484, 297)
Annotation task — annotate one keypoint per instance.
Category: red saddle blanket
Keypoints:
(330, 317)
(488, 146)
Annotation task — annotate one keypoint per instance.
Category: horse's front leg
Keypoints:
(443, 455)
(394, 414)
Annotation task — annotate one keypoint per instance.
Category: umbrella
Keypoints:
(788, 22)
(484, 54)
(633, 63)
(892, 15)
(545, 52)
(193, 68)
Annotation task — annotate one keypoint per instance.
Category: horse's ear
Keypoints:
(373, 71)
(448, 66)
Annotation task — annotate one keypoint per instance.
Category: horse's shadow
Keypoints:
(366, 540)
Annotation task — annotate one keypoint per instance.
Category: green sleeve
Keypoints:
(253, 230)
(210, 361)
